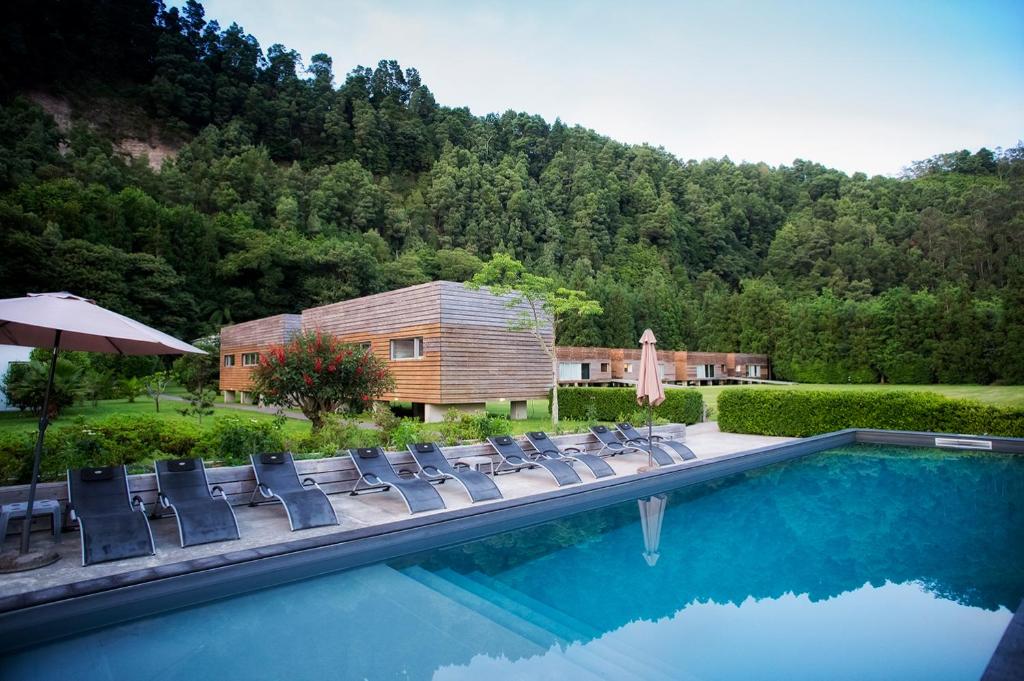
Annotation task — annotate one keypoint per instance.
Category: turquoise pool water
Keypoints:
(864, 562)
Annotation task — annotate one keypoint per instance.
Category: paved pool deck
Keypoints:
(267, 525)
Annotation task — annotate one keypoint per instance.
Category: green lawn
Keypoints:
(16, 421)
(998, 395)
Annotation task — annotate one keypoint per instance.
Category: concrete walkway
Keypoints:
(267, 524)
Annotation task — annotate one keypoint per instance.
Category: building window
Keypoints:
(570, 371)
(250, 359)
(365, 345)
(628, 368)
(604, 367)
(754, 370)
(709, 371)
(406, 348)
(229, 360)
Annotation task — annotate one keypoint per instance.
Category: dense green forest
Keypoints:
(290, 189)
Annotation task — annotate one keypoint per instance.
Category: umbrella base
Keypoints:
(647, 469)
(14, 561)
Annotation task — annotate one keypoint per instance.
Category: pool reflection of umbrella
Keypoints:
(652, 513)
(62, 321)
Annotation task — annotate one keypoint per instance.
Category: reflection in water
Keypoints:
(652, 514)
(893, 631)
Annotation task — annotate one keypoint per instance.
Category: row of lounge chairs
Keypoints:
(115, 525)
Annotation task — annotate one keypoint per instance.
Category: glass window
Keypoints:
(628, 368)
(604, 367)
(250, 359)
(229, 360)
(406, 348)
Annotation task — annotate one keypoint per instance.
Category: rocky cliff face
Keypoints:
(126, 138)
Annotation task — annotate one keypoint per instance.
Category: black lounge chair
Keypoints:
(613, 446)
(513, 456)
(633, 435)
(545, 446)
(305, 503)
(202, 517)
(113, 525)
(434, 465)
(376, 472)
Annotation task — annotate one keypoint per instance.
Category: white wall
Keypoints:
(8, 354)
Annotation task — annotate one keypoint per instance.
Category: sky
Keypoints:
(866, 86)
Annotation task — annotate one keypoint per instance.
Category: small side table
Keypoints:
(475, 462)
(40, 507)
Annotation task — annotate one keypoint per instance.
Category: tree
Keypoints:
(320, 375)
(542, 304)
(156, 386)
(130, 388)
(25, 384)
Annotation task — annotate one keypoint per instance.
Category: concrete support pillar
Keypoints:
(517, 410)
(434, 413)
(243, 397)
(229, 396)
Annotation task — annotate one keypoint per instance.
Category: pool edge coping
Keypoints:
(33, 617)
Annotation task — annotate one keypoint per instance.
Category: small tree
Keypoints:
(156, 386)
(130, 388)
(200, 404)
(319, 375)
(544, 304)
(198, 372)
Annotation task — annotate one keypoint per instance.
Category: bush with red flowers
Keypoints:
(318, 374)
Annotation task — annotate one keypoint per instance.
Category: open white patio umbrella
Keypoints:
(652, 513)
(63, 321)
(649, 390)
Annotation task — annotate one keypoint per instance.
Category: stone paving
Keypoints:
(267, 524)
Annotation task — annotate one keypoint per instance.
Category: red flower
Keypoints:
(359, 371)
(331, 367)
(318, 365)
(308, 379)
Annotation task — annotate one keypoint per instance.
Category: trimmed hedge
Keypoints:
(799, 413)
(610, 404)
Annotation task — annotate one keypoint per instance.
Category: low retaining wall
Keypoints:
(334, 474)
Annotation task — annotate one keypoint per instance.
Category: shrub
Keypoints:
(135, 441)
(799, 413)
(610, 404)
(25, 385)
(407, 432)
(232, 439)
(338, 433)
(459, 426)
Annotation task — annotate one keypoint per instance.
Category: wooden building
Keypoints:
(611, 366)
(240, 348)
(446, 346)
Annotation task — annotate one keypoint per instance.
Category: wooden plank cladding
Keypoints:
(465, 352)
(256, 336)
(675, 366)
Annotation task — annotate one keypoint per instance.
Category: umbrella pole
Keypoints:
(650, 430)
(44, 421)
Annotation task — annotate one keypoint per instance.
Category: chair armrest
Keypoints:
(306, 482)
(572, 449)
(406, 473)
(657, 438)
(137, 502)
(162, 500)
(71, 513)
(217, 489)
(432, 472)
(372, 479)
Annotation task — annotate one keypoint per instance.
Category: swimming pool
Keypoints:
(860, 562)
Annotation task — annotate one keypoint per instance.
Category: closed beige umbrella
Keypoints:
(649, 389)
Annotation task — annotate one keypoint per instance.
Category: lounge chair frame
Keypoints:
(540, 439)
(551, 466)
(680, 448)
(164, 503)
(269, 496)
(463, 477)
(404, 486)
(135, 504)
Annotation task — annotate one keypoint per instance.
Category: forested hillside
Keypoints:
(293, 186)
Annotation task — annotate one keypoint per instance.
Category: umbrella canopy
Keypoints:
(31, 321)
(649, 390)
(652, 513)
